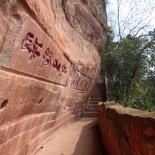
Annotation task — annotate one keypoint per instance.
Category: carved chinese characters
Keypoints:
(46, 59)
(36, 55)
(31, 45)
(80, 82)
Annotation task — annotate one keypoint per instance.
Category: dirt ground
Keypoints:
(80, 138)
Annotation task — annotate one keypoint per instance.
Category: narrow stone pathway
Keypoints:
(80, 138)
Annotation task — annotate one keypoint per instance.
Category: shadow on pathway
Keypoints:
(80, 138)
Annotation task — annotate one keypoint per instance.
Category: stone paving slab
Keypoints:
(80, 138)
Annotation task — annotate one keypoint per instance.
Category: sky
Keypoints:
(135, 11)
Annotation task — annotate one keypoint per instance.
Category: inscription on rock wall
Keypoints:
(37, 55)
(31, 45)
(80, 82)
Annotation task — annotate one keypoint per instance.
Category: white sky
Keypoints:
(141, 9)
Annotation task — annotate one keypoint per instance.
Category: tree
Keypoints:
(131, 61)
(130, 53)
(130, 17)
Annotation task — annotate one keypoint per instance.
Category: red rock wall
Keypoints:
(126, 131)
(49, 62)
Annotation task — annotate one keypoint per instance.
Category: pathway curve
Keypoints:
(80, 138)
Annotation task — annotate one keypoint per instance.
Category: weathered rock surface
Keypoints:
(126, 131)
(49, 62)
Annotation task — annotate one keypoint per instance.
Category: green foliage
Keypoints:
(132, 60)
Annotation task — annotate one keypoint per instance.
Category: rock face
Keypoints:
(126, 131)
(49, 62)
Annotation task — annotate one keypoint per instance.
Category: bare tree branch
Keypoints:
(118, 18)
(141, 28)
(140, 22)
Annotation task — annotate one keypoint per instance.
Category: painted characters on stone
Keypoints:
(31, 44)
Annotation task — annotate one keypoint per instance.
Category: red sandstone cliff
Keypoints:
(49, 62)
(126, 131)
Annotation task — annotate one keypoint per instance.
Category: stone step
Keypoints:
(95, 99)
(99, 87)
(94, 102)
(92, 93)
(90, 114)
(91, 110)
(98, 91)
(92, 106)
(97, 95)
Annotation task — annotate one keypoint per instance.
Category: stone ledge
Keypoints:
(126, 130)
